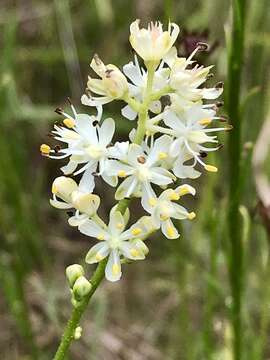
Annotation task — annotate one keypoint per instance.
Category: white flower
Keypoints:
(141, 169)
(138, 76)
(74, 196)
(111, 85)
(87, 145)
(190, 133)
(115, 243)
(152, 43)
(162, 209)
(187, 81)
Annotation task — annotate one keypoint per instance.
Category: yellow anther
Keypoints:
(136, 231)
(70, 123)
(204, 122)
(174, 196)
(184, 190)
(98, 257)
(45, 149)
(211, 168)
(115, 269)
(191, 215)
(100, 237)
(119, 226)
(152, 201)
(162, 155)
(134, 252)
(122, 173)
(170, 231)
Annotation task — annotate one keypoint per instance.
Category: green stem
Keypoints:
(99, 274)
(235, 61)
(143, 114)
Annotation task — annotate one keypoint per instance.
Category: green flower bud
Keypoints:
(73, 272)
(81, 288)
(77, 333)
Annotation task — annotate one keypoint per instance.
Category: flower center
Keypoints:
(114, 242)
(94, 151)
(165, 210)
(143, 173)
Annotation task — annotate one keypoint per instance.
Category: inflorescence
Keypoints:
(173, 110)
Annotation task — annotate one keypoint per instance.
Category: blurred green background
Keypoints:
(176, 304)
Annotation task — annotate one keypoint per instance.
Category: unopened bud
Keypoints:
(73, 272)
(115, 82)
(63, 187)
(77, 333)
(81, 288)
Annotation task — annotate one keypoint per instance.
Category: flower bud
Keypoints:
(113, 82)
(86, 203)
(152, 44)
(77, 333)
(73, 272)
(81, 288)
(63, 187)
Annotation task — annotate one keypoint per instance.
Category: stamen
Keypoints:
(229, 127)
(211, 168)
(191, 215)
(100, 237)
(122, 174)
(57, 148)
(45, 149)
(59, 111)
(219, 85)
(203, 154)
(201, 46)
(69, 123)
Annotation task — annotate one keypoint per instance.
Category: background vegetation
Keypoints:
(177, 304)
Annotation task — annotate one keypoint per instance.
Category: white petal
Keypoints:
(117, 222)
(97, 253)
(90, 228)
(87, 182)
(169, 230)
(95, 101)
(132, 252)
(160, 176)
(129, 113)
(127, 188)
(60, 204)
(106, 132)
(69, 168)
(113, 267)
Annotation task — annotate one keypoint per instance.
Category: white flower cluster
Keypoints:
(168, 98)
